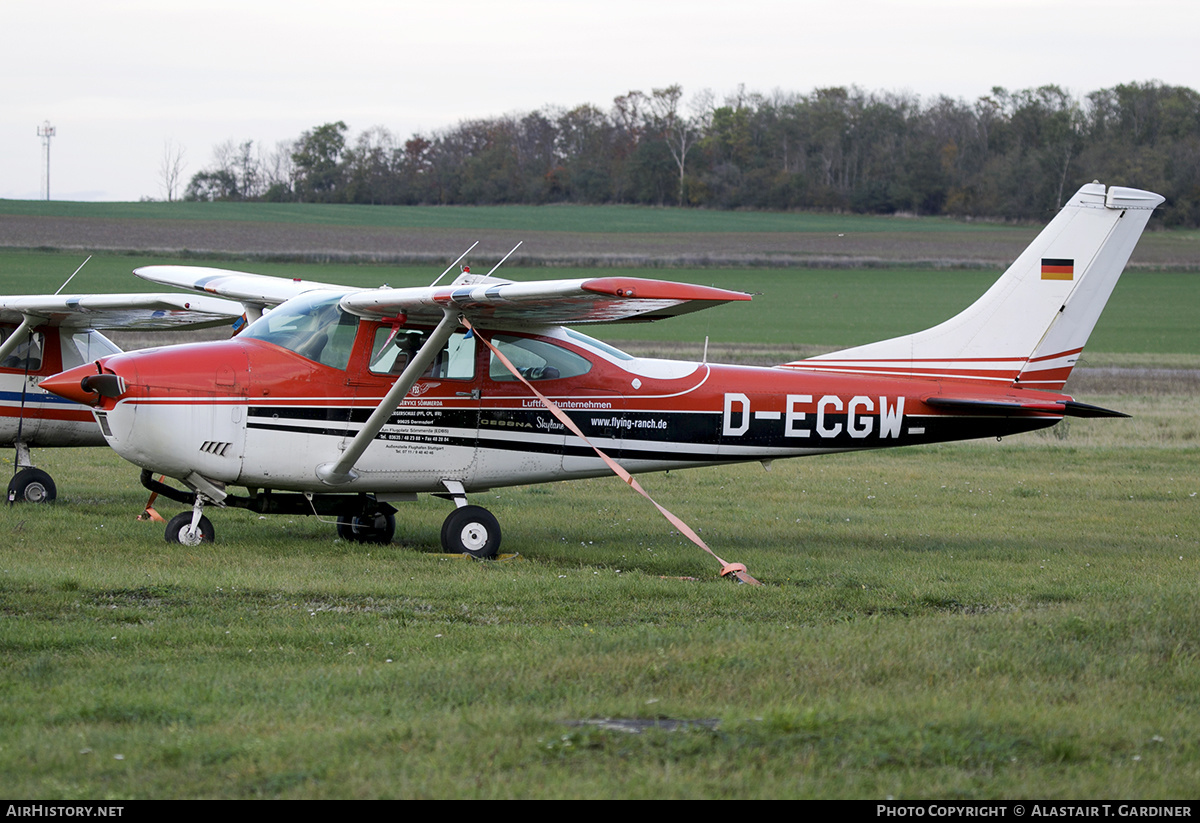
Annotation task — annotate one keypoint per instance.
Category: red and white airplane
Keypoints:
(343, 401)
(41, 335)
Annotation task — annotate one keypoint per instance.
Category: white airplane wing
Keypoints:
(541, 303)
(488, 299)
(119, 311)
(254, 289)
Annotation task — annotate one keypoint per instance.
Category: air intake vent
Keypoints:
(215, 447)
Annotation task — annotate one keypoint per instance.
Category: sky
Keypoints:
(122, 80)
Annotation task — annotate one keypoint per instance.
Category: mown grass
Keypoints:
(981, 620)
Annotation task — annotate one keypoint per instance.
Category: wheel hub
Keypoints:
(191, 537)
(474, 536)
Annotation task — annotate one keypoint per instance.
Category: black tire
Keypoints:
(379, 527)
(31, 486)
(177, 530)
(471, 530)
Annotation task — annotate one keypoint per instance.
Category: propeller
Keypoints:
(105, 385)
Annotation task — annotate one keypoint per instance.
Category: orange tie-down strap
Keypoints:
(736, 569)
(150, 513)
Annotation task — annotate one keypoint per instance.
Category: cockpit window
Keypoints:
(85, 347)
(535, 359)
(313, 326)
(28, 353)
(599, 345)
(391, 353)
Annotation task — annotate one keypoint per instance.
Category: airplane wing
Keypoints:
(255, 289)
(541, 303)
(132, 312)
(490, 300)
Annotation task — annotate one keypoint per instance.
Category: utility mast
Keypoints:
(46, 131)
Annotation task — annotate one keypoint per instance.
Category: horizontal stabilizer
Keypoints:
(976, 405)
(1076, 409)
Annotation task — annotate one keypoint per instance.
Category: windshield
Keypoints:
(85, 347)
(312, 325)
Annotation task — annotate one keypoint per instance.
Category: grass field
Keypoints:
(558, 218)
(795, 311)
(975, 621)
(981, 620)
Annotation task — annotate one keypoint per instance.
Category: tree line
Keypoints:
(1007, 155)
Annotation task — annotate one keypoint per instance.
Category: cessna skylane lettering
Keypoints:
(341, 402)
(40, 335)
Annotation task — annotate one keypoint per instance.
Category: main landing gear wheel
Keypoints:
(376, 527)
(31, 486)
(471, 530)
(180, 525)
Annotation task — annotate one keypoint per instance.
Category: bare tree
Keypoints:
(679, 132)
(248, 167)
(279, 171)
(170, 169)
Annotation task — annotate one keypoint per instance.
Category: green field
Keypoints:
(1007, 619)
(1149, 313)
(558, 218)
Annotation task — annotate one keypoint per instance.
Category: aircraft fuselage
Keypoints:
(251, 413)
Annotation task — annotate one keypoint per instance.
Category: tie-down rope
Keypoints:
(736, 569)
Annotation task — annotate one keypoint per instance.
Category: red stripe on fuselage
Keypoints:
(32, 412)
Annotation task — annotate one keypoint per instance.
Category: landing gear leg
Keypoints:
(469, 530)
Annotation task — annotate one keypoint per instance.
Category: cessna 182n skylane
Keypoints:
(40, 335)
(354, 399)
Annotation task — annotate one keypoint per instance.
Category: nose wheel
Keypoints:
(179, 530)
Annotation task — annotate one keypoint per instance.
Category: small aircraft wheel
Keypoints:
(471, 530)
(177, 530)
(378, 527)
(32, 486)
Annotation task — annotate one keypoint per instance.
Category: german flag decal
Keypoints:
(1054, 268)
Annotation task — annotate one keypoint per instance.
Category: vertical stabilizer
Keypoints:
(1031, 325)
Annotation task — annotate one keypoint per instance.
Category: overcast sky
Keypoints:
(119, 79)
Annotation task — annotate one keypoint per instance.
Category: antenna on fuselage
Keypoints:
(455, 263)
(72, 277)
(505, 257)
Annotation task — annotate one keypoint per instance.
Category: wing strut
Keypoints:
(736, 569)
(342, 471)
